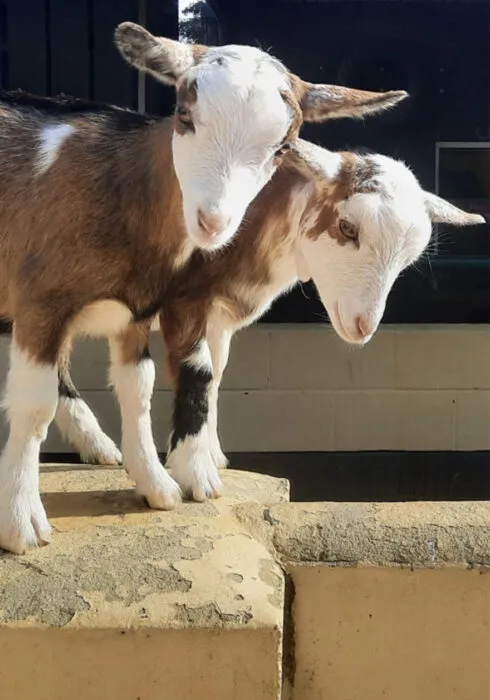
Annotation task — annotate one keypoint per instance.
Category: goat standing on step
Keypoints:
(100, 209)
(350, 223)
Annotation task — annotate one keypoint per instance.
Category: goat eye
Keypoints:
(348, 230)
(184, 115)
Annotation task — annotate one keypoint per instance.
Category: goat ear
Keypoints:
(320, 102)
(443, 212)
(167, 60)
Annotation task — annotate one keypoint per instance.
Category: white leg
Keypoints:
(30, 400)
(219, 457)
(219, 338)
(190, 456)
(78, 425)
(133, 384)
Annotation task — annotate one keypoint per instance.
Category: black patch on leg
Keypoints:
(191, 402)
(145, 354)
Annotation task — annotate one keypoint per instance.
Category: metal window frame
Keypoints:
(455, 145)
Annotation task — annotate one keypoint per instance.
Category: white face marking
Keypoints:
(239, 120)
(394, 229)
(52, 138)
(30, 400)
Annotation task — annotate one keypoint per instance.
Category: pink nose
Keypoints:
(364, 327)
(212, 223)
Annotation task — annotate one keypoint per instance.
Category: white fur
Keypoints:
(78, 425)
(201, 359)
(134, 388)
(327, 163)
(219, 332)
(354, 282)
(239, 120)
(193, 467)
(30, 400)
(155, 324)
(52, 139)
(102, 318)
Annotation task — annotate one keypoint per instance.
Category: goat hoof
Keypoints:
(162, 492)
(104, 452)
(195, 472)
(23, 522)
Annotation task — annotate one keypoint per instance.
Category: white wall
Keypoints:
(299, 388)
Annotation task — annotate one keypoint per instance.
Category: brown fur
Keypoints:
(199, 51)
(297, 121)
(165, 58)
(187, 93)
(133, 342)
(229, 278)
(112, 228)
(357, 175)
(226, 279)
(186, 99)
(111, 239)
(320, 102)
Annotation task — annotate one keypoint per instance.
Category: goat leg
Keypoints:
(79, 426)
(133, 377)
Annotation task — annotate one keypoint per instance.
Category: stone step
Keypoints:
(131, 603)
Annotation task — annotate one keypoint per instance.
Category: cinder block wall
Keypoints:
(299, 388)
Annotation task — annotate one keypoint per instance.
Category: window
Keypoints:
(463, 174)
(463, 177)
(458, 266)
(442, 132)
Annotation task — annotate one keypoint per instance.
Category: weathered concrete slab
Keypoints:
(127, 602)
(420, 534)
(376, 600)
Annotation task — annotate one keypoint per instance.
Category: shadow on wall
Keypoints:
(363, 476)
(376, 476)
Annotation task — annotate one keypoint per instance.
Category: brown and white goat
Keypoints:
(238, 110)
(349, 222)
(95, 222)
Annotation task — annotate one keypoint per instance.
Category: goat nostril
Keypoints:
(363, 326)
(212, 224)
(201, 220)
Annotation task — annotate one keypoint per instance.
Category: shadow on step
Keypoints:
(93, 503)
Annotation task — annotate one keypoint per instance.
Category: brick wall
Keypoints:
(290, 388)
